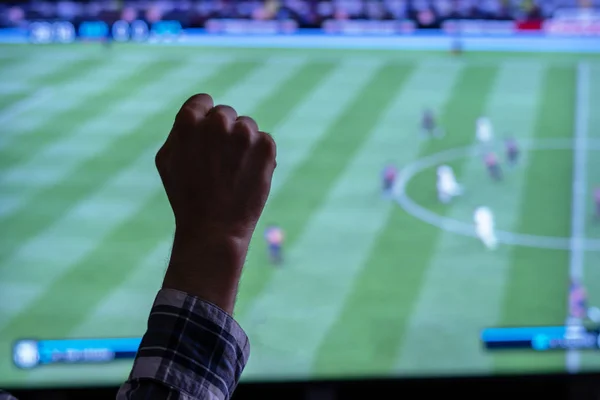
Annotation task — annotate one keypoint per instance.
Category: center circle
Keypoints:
(467, 229)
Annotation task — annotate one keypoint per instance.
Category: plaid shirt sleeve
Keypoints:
(191, 350)
(6, 396)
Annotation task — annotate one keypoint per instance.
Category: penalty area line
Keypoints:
(577, 254)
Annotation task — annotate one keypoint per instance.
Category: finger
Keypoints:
(263, 156)
(244, 133)
(222, 117)
(191, 113)
(259, 165)
(194, 110)
(249, 122)
(268, 147)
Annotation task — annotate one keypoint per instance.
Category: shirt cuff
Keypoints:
(191, 346)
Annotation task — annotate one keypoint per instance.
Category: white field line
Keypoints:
(579, 191)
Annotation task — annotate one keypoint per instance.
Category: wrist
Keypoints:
(207, 266)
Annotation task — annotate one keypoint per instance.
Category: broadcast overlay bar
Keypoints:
(31, 353)
(542, 338)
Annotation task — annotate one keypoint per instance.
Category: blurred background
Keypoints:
(306, 13)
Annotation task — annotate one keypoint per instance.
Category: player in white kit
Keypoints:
(484, 227)
(447, 185)
(485, 131)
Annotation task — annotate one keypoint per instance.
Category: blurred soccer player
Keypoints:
(485, 131)
(512, 151)
(493, 167)
(274, 237)
(484, 227)
(389, 175)
(429, 127)
(447, 186)
(579, 308)
(577, 301)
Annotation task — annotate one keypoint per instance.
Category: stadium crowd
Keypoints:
(307, 13)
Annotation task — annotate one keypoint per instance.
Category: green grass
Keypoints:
(377, 310)
(375, 316)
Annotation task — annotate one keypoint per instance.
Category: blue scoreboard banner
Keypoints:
(119, 31)
(31, 353)
(541, 338)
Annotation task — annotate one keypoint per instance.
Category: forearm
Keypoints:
(192, 251)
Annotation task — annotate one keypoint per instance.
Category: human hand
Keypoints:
(216, 168)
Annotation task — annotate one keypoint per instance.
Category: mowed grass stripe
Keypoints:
(305, 298)
(8, 64)
(126, 304)
(147, 133)
(296, 136)
(9, 102)
(259, 91)
(41, 81)
(34, 67)
(536, 293)
(249, 95)
(26, 145)
(54, 160)
(132, 237)
(464, 285)
(11, 91)
(377, 313)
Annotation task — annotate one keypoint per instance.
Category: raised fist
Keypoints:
(216, 168)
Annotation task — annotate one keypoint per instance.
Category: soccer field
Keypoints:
(369, 286)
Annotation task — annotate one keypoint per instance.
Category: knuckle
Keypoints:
(225, 109)
(219, 121)
(243, 138)
(201, 100)
(267, 144)
(198, 97)
(193, 110)
(186, 115)
(227, 113)
(248, 122)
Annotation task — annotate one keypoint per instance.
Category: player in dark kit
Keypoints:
(429, 127)
(493, 167)
(389, 177)
(512, 151)
(274, 237)
(578, 306)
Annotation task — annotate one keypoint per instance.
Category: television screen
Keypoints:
(437, 189)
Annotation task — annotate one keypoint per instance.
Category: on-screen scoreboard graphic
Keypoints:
(43, 32)
(31, 353)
